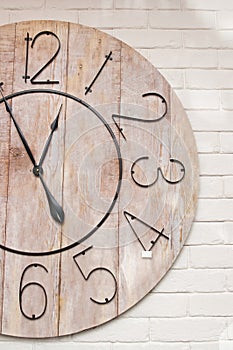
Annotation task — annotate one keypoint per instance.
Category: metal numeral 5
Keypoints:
(86, 277)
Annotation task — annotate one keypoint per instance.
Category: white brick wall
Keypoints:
(191, 42)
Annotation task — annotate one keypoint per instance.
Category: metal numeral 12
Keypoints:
(34, 78)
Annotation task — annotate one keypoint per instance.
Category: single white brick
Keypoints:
(228, 333)
(211, 187)
(111, 19)
(207, 142)
(208, 39)
(160, 305)
(192, 280)
(228, 186)
(211, 304)
(122, 329)
(227, 232)
(209, 79)
(226, 142)
(214, 209)
(21, 5)
(187, 329)
(143, 38)
(225, 58)
(184, 58)
(205, 346)
(211, 120)
(229, 280)
(181, 19)
(53, 14)
(211, 257)
(207, 4)
(80, 4)
(151, 346)
(199, 99)
(175, 77)
(207, 233)
(216, 164)
(224, 19)
(227, 99)
(148, 4)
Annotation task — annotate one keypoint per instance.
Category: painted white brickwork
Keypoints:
(191, 42)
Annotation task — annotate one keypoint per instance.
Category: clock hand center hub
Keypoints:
(37, 170)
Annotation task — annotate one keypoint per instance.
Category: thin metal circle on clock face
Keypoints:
(117, 185)
(98, 178)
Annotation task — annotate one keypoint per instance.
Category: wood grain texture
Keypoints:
(119, 236)
(28, 226)
(150, 204)
(7, 40)
(186, 194)
(163, 205)
(90, 191)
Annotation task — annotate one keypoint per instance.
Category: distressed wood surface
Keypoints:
(186, 194)
(121, 243)
(29, 226)
(143, 139)
(89, 192)
(7, 39)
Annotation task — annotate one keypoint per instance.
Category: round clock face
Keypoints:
(98, 176)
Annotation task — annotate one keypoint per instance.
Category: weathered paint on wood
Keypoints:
(108, 272)
(7, 40)
(89, 191)
(28, 225)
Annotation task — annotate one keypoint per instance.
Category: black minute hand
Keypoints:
(54, 127)
(8, 109)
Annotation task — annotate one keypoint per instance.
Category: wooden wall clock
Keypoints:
(98, 170)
